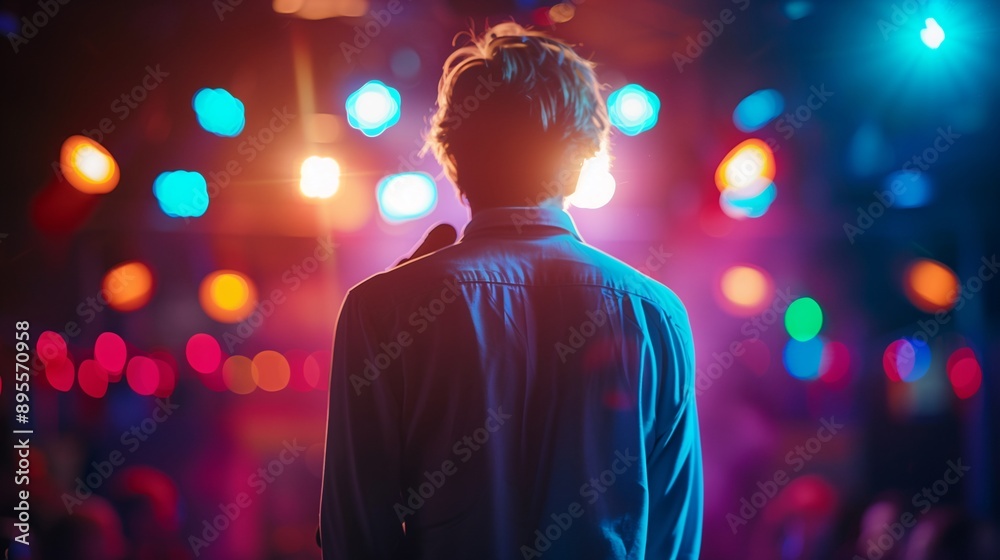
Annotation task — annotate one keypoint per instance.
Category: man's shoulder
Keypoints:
(410, 279)
(627, 278)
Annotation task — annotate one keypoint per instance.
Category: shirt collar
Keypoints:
(519, 220)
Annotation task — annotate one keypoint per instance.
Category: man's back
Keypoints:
(517, 395)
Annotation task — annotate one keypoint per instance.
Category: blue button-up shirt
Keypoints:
(516, 395)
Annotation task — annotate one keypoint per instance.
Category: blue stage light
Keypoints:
(181, 194)
(406, 196)
(373, 108)
(633, 109)
(804, 359)
(219, 112)
(911, 189)
(758, 109)
(751, 207)
(932, 34)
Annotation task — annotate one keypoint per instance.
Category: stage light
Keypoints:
(270, 371)
(746, 290)
(562, 12)
(128, 286)
(758, 109)
(633, 109)
(406, 196)
(749, 168)
(50, 347)
(890, 364)
(181, 194)
(804, 358)
(931, 286)
(320, 177)
(143, 375)
(93, 378)
(913, 360)
(237, 373)
(596, 185)
(60, 374)
(203, 353)
(803, 319)
(373, 108)
(798, 9)
(87, 166)
(932, 34)
(754, 206)
(227, 296)
(110, 352)
(219, 112)
(911, 189)
(906, 359)
(964, 372)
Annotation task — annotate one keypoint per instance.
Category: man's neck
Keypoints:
(556, 202)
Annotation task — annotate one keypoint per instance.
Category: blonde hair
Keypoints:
(520, 94)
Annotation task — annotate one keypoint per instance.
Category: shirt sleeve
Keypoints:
(675, 462)
(361, 468)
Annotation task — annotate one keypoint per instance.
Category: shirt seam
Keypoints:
(659, 306)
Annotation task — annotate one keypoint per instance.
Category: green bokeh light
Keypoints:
(804, 319)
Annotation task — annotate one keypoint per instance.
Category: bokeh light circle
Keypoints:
(87, 166)
(803, 319)
(143, 375)
(270, 371)
(237, 373)
(747, 290)
(804, 359)
(93, 378)
(931, 286)
(110, 351)
(227, 296)
(128, 286)
(203, 353)
(50, 347)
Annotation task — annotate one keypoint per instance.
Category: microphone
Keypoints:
(437, 237)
